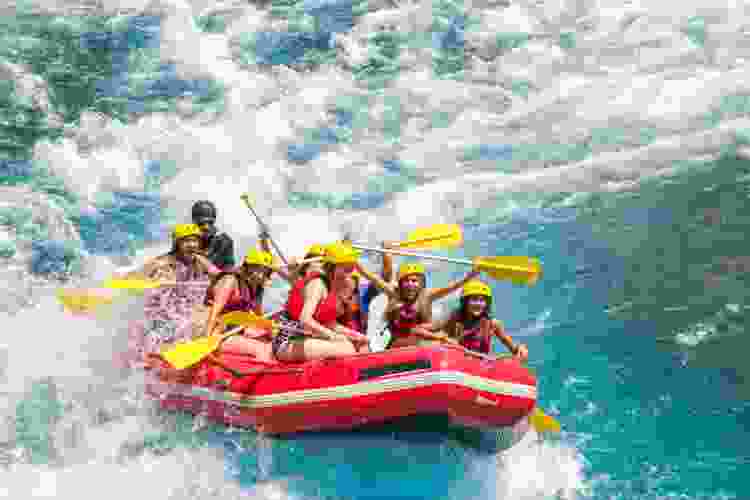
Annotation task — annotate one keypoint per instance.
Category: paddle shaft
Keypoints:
(181, 283)
(305, 261)
(263, 226)
(420, 240)
(414, 254)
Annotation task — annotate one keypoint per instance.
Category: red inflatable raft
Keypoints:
(472, 390)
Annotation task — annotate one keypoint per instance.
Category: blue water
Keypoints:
(647, 419)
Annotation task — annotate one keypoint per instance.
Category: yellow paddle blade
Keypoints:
(82, 302)
(189, 353)
(541, 422)
(131, 284)
(435, 236)
(519, 270)
(246, 319)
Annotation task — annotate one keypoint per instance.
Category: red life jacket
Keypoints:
(477, 339)
(245, 300)
(403, 320)
(325, 313)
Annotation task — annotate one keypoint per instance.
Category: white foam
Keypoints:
(445, 197)
(181, 475)
(97, 157)
(540, 469)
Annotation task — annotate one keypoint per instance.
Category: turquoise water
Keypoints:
(628, 277)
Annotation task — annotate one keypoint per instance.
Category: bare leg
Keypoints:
(362, 348)
(310, 349)
(250, 347)
(409, 341)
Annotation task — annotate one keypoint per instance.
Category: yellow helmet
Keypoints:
(340, 253)
(409, 268)
(316, 250)
(476, 287)
(258, 258)
(185, 230)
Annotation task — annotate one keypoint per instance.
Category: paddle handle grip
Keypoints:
(414, 254)
(246, 198)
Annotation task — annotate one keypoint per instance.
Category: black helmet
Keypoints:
(203, 210)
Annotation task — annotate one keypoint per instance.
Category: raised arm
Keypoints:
(387, 263)
(387, 271)
(434, 294)
(387, 288)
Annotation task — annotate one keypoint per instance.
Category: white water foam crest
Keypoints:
(602, 172)
(181, 475)
(241, 149)
(76, 355)
(96, 442)
(536, 469)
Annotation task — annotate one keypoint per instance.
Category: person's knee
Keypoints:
(346, 348)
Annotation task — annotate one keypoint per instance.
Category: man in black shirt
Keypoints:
(218, 247)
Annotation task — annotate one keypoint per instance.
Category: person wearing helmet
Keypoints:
(297, 271)
(183, 262)
(217, 246)
(409, 308)
(167, 308)
(315, 307)
(472, 325)
(240, 290)
(362, 295)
